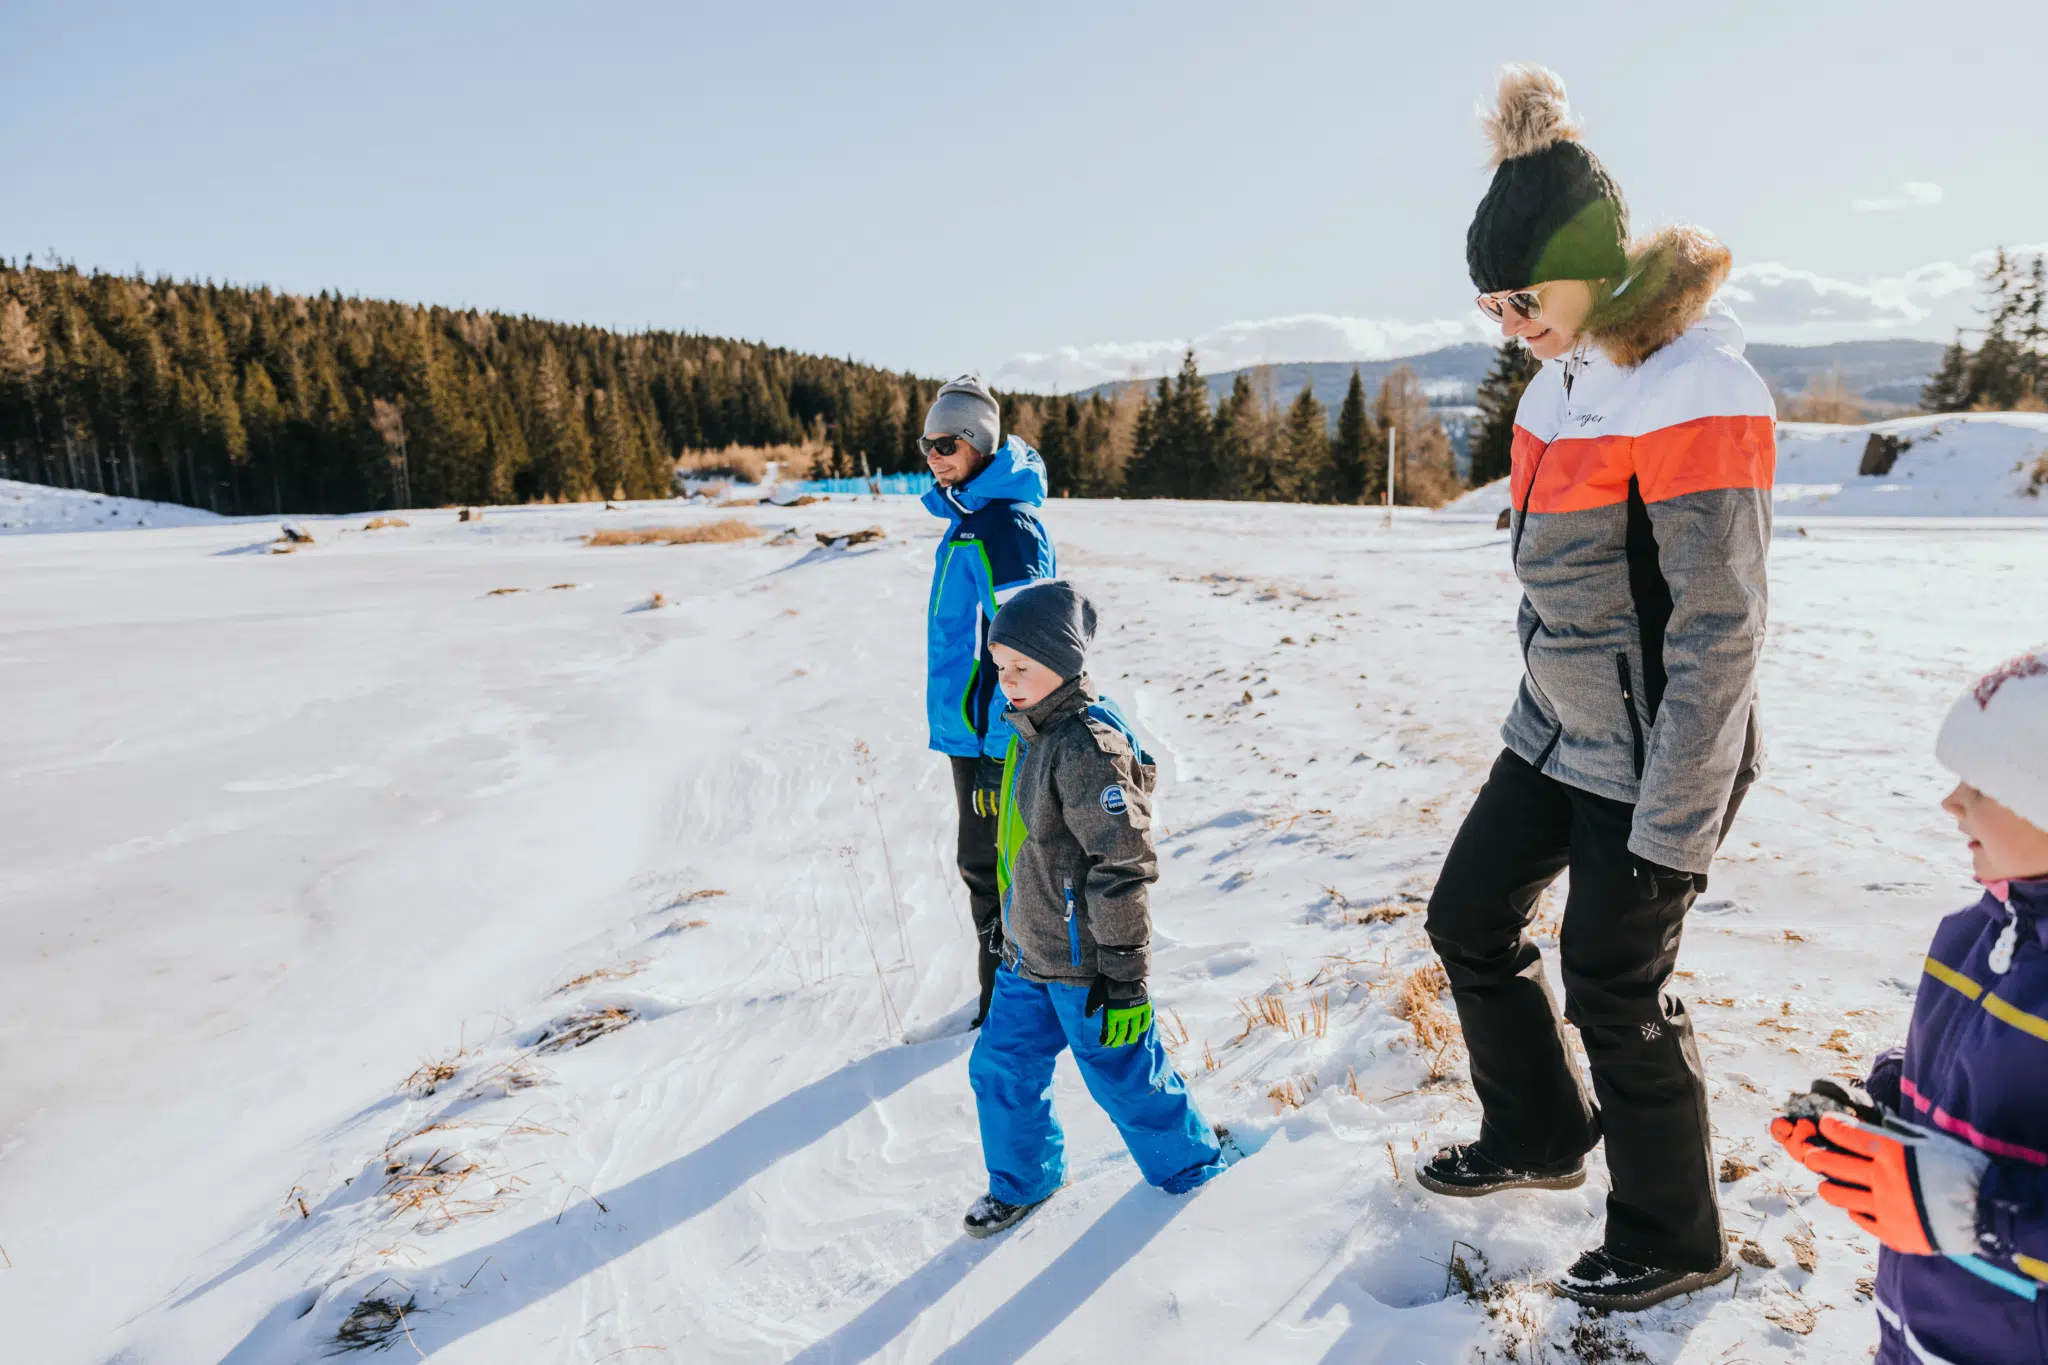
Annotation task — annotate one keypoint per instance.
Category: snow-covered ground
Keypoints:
(312, 857)
(29, 507)
(1978, 464)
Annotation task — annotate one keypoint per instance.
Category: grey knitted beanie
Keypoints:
(1049, 622)
(965, 408)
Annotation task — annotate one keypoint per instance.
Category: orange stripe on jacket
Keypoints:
(1577, 474)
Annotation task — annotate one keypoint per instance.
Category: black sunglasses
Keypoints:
(943, 446)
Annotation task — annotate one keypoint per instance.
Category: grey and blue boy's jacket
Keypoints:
(1074, 843)
(1641, 520)
(994, 547)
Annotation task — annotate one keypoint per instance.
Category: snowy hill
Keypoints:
(1989, 464)
(31, 507)
(420, 940)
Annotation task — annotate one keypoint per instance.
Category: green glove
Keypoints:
(1124, 1021)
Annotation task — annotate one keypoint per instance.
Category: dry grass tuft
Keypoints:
(1803, 1251)
(383, 523)
(1734, 1168)
(582, 1028)
(1416, 1000)
(851, 538)
(1173, 1036)
(503, 592)
(426, 1187)
(710, 532)
(373, 1325)
(1262, 1011)
(505, 1078)
(431, 1076)
(617, 972)
(1292, 1093)
(1755, 1255)
(2038, 480)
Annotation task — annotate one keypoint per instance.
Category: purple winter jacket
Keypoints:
(1975, 1066)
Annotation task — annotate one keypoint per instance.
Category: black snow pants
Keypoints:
(1618, 944)
(976, 855)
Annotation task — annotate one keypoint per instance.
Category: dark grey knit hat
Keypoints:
(1553, 212)
(1049, 622)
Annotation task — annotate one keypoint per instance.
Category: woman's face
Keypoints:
(1554, 330)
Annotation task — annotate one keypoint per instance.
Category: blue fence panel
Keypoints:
(915, 485)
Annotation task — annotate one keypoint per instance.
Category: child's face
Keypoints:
(1024, 680)
(2003, 847)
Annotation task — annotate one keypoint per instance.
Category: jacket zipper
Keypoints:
(1073, 926)
(1628, 704)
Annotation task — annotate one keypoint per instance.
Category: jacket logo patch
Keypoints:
(1652, 1032)
(1113, 800)
(1587, 419)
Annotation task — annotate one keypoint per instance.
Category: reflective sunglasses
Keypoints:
(1527, 303)
(942, 446)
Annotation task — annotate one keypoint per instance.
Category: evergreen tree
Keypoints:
(1354, 451)
(1175, 453)
(1500, 394)
(1303, 470)
(1946, 390)
(1236, 436)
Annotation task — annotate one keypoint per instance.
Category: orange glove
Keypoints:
(1916, 1189)
(1799, 1137)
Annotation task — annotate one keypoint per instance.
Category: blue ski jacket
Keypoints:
(1975, 1056)
(994, 546)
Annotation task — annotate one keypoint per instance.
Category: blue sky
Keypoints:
(1051, 193)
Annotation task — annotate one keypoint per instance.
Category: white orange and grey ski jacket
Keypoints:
(1642, 518)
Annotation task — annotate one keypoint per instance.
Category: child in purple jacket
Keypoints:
(1946, 1158)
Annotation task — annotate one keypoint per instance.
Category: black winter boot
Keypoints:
(1465, 1172)
(990, 1215)
(1600, 1279)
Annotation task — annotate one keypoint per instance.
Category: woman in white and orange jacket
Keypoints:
(1643, 457)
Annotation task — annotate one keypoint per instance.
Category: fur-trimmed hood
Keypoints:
(1672, 277)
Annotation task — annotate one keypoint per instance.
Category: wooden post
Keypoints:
(1393, 433)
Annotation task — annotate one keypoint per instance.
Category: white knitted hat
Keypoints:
(1996, 736)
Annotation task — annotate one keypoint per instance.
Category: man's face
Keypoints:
(953, 469)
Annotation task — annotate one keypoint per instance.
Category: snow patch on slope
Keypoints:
(30, 507)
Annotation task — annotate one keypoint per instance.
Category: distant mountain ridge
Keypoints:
(1888, 371)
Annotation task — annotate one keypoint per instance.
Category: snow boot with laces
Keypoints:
(1466, 1172)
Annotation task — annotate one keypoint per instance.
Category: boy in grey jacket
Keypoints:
(1074, 859)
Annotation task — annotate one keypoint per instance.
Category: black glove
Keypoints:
(1654, 882)
(988, 786)
(1126, 1011)
(992, 936)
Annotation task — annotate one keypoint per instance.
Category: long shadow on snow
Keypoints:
(1054, 1293)
(552, 1255)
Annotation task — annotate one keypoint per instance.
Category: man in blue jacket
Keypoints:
(988, 491)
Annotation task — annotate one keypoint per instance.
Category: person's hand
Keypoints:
(1125, 1019)
(1914, 1188)
(988, 786)
(1797, 1130)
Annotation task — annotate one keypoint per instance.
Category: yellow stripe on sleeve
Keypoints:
(2037, 1269)
(2017, 1017)
(1950, 977)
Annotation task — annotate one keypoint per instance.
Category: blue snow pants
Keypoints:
(1029, 1024)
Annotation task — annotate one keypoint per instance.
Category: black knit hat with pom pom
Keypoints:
(1553, 212)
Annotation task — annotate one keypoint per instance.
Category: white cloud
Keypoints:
(1275, 341)
(1770, 294)
(1914, 194)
